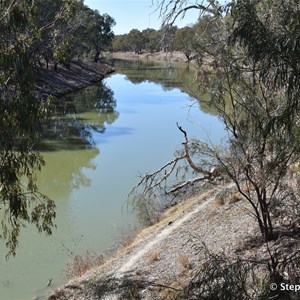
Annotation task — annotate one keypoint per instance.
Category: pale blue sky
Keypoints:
(138, 14)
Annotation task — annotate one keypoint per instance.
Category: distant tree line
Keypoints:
(189, 39)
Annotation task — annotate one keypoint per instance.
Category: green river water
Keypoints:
(95, 148)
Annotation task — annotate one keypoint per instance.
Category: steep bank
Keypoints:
(163, 252)
(163, 258)
(63, 81)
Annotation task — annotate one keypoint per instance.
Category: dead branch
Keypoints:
(156, 181)
(187, 183)
(188, 157)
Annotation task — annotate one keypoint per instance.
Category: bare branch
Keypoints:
(157, 180)
(171, 10)
(12, 5)
(187, 183)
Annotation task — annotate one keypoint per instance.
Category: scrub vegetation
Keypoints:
(247, 66)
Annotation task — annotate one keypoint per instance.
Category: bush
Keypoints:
(82, 263)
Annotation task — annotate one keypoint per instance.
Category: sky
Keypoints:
(135, 14)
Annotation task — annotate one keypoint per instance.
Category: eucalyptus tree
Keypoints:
(99, 32)
(152, 39)
(119, 43)
(136, 40)
(251, 78)
(20, 117)
(184, 41)
(56, 23)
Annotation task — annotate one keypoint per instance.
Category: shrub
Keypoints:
(153, 256)
(183, 260)
(82, 263)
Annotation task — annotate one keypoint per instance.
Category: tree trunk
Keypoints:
(265, 222)
(96, 57)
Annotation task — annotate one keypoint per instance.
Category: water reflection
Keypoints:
(64, 172)
(168, 75)
(78, 118)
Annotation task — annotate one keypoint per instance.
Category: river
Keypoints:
(102, 138)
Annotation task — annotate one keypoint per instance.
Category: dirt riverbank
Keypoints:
(168, 254)
(163, 252)
(63, 81)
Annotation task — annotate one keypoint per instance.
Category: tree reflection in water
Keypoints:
(77, 117)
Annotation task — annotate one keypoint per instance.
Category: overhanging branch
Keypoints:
(156, 181)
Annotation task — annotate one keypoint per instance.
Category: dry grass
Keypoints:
(227, 198)
(82, 263)
(294, 169)
(158, 57)
(233, 198)
(184, 262)
(185, 206)
(169, 294)
(153, 256)
(219, 201)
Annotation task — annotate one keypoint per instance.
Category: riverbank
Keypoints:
(164, 253)
(167, 255)
(63, 81)
(163, 258)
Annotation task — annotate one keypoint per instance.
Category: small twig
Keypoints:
(49, 281)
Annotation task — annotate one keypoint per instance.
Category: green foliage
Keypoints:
(194, 41)
(30, 32)
(21, 115)
(136, 39)
(99, 33)
(184, 41)
(269, 32)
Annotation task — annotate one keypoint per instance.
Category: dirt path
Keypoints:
(151, 244)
